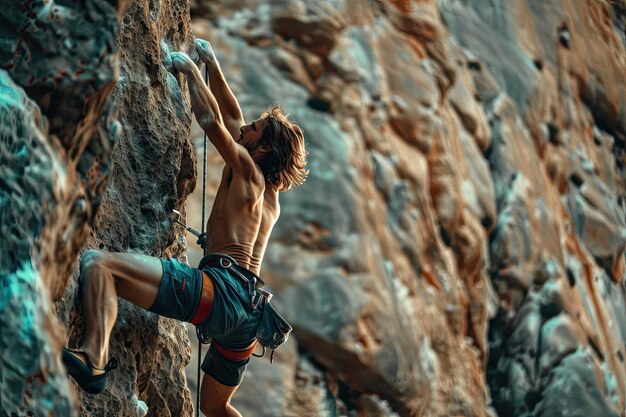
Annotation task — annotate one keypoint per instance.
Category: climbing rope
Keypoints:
(206, 81)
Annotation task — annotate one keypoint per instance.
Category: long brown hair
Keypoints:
(284, 165)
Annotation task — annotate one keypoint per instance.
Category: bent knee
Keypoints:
(92, 258)
(213, 410)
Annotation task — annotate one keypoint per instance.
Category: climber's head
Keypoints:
(277, 145)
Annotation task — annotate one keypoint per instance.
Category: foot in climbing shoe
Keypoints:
(181, 62)
(83, 371)
(205, 52)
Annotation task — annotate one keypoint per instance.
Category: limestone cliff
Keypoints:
(95, 132)
(458, 249)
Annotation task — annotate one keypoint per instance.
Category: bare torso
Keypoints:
(242, 219)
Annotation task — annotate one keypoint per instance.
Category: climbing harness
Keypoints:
(273, 329)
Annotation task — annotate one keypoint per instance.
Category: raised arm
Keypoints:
(209, 117)
(229, 106)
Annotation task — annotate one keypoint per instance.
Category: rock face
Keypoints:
(458, 248)
(86, 106)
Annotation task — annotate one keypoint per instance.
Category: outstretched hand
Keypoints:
(179, 61)
(205, 52)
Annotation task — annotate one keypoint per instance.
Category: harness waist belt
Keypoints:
(236, 355)
(228, 262)
(205, 305)
(214, 258)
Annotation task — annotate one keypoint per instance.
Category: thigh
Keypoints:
(137, 277)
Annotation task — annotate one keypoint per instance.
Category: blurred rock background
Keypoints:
(458, 248)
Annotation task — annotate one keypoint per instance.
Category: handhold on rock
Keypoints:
(142, 409)
(165, 52)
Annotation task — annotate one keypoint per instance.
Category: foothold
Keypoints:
(474, 65)
(577, 179)
(8, 66)
(79, 73)
(142, 409)
(319, 104)
(31, 80)
(553, 133)
(564, 36)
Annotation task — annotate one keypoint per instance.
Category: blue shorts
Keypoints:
(232, 322)
(180, 290)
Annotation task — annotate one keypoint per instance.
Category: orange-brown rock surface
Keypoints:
(458, 248)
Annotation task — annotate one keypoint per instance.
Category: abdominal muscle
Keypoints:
(236, 243)
(242, 253)
(236, 234)
(238, 226)
(246, 244)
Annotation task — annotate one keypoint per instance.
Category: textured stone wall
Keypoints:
(95, 153)
(53, 91)
(458, 249)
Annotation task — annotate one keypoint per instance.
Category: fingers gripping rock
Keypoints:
(179, 62)
(205, 52)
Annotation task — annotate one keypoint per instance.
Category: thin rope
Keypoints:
(206, 81)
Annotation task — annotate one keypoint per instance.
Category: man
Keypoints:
(262, 158)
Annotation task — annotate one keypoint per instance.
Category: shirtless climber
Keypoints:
(262, 158)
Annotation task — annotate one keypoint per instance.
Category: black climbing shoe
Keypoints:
(82, 374)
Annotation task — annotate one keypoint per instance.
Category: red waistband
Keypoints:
(205, 305)
(235, 355)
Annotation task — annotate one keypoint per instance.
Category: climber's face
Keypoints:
(251, 133)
